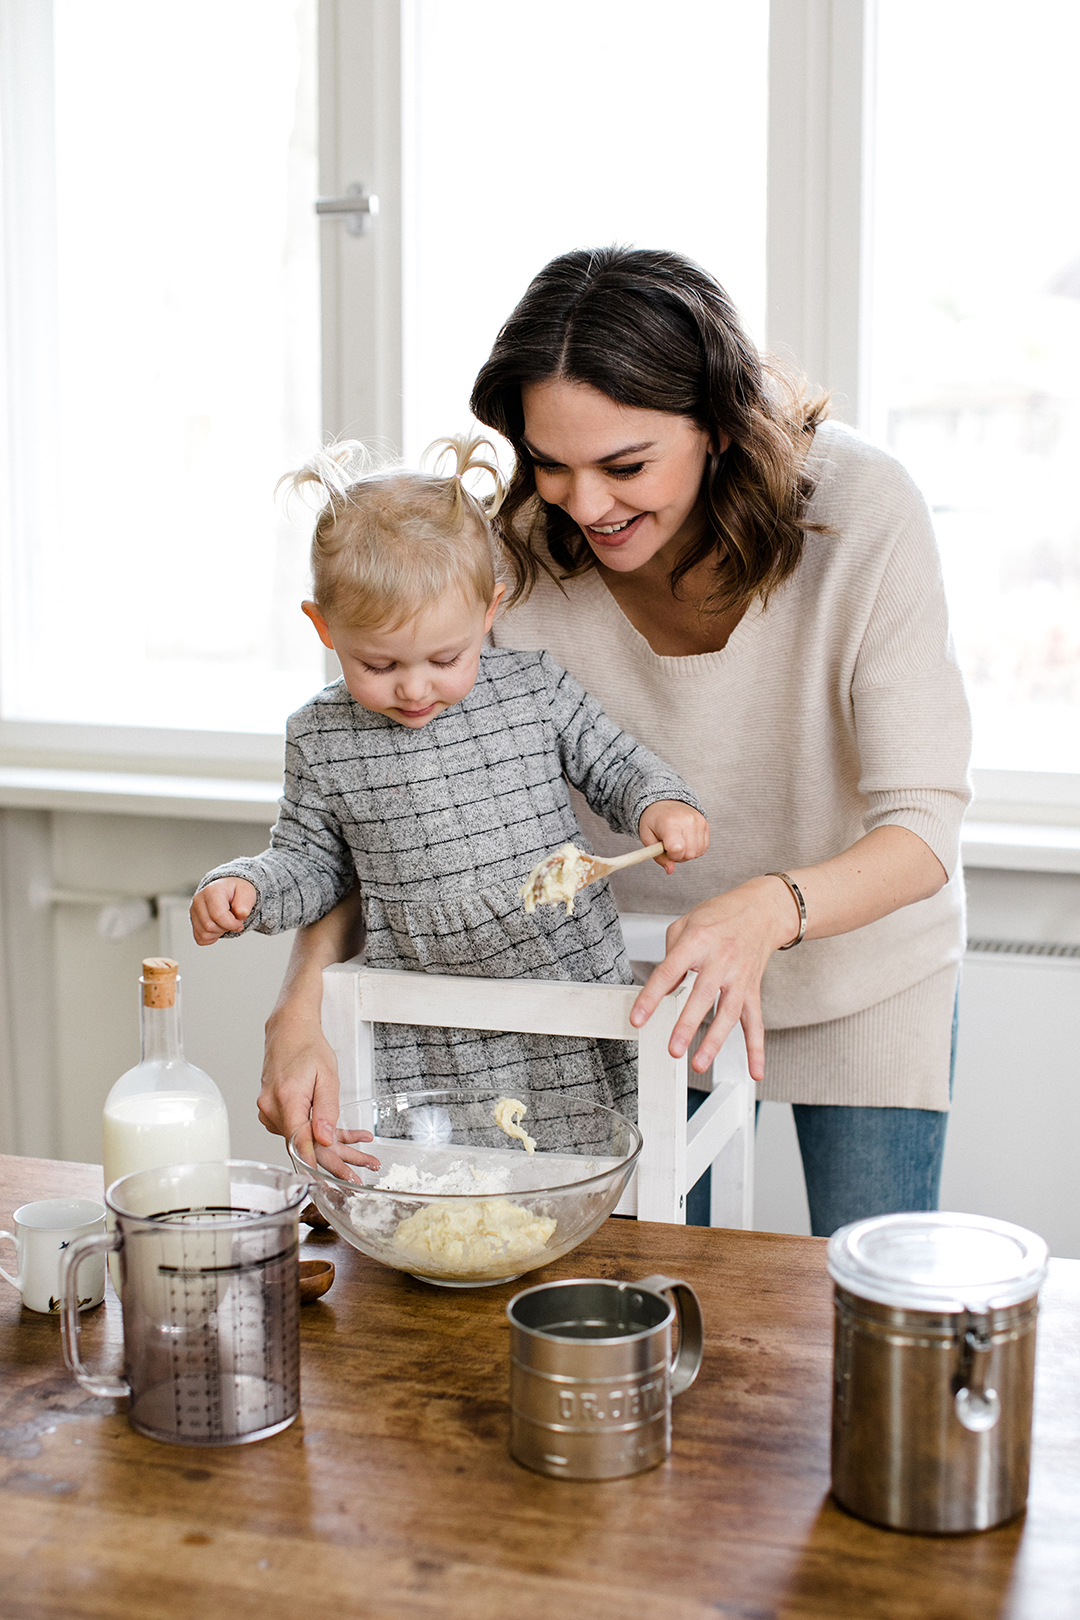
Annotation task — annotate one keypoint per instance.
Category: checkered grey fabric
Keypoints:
(442, 825)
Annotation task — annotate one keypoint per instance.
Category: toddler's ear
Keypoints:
(320, 624)
(489, 617)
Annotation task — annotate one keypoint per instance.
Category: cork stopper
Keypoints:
(159, 981)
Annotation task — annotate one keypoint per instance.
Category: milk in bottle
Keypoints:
(164, 1110)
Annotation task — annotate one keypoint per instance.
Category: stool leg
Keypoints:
(662, 1119)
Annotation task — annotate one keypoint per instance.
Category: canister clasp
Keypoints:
(978, 1407)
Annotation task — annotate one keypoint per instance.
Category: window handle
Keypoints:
(356, 208)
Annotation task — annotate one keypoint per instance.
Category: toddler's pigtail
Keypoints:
(467, 449)
(332, 471)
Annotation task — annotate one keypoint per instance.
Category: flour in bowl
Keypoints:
(378, 1217)
(461, 1177)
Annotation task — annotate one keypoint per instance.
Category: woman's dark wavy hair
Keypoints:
(654, 330)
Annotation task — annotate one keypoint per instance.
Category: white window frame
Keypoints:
(821, 64)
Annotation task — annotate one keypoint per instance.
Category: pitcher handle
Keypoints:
(16, 1282)
(686, 1363)
(70, 1261)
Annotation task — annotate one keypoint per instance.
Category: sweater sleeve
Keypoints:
(912, 721)
(618, 777)
(308, 867)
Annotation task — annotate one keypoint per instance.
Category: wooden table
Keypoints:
(394, 1494)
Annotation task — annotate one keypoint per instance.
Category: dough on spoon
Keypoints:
(557, 879)
(509, 1113)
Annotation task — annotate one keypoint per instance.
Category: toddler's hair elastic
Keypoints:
(800, 902)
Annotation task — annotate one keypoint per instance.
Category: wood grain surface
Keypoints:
(395, 1496)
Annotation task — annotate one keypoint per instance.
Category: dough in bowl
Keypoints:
(472, 1237)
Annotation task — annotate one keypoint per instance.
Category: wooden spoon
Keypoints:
(315, 1278)
(601, 868)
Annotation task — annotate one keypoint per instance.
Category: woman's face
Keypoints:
(631, 479)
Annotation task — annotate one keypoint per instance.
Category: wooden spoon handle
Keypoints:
(632, 859)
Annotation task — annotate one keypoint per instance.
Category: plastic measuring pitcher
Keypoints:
(210, 1289)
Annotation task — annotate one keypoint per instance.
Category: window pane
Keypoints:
(154, 581)
(533, 130)
(976, 341)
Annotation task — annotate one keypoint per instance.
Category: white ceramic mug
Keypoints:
(43, 1230)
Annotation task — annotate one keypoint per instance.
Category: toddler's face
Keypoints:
(413, 673)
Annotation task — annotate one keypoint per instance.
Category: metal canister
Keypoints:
(592, 1376)
(934, 1369)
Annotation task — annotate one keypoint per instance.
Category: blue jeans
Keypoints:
(857, 1161)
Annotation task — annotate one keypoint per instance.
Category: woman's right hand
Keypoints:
(299, 1077)
(299, 1096)
(300, 1085)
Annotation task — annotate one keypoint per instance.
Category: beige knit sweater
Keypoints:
(838, 709)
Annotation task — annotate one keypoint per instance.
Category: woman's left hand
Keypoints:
(727, 941)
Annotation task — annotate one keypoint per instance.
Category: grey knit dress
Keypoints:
(442, 825)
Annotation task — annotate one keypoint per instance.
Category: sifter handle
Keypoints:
(70, 1261)
(686, 1363)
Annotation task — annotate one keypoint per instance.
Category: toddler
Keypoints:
(435, 773)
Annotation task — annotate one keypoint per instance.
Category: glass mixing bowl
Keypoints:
(456, 1201)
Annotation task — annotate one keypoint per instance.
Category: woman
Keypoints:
(756, 594)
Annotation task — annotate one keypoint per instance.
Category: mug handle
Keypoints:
(70, 1261)
(687, 1361)
(16, 1282)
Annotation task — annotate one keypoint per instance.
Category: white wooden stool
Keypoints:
(732, 1180)
(675, 1154)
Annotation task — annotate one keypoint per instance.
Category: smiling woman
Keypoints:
(759, 594)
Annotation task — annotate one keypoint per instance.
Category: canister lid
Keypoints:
(938, 1262)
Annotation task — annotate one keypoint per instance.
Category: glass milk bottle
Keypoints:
(164, 1110)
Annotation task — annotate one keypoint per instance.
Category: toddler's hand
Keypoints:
(221, 908)
(683, 831)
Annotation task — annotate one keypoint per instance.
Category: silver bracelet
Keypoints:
(800, 902)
